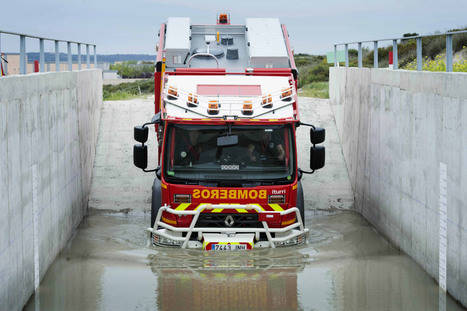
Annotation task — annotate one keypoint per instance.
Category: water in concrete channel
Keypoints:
(346, 265)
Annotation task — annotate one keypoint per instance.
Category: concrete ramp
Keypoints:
(117, 185)
(327, 189)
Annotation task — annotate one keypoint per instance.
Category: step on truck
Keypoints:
(226, 114)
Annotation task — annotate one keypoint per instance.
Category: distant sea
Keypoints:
(111, 58)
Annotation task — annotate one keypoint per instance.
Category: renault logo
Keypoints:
(229, 221)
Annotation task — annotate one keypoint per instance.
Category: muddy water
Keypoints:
(345, 266)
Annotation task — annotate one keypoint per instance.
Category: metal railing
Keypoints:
(449, 51)
(22, 51)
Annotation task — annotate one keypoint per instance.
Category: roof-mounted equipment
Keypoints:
(223, 19)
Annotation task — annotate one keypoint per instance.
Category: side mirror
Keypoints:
(156, 119)
(317, 135)
(140, 156)
(141, 133)
(317, 157)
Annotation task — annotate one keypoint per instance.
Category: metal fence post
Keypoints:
(335, 55)
(394, 55)
(419, 54)
(449, 53)
(41, 55)
(360, 63)
(4, 64)
(57, 56)
(79, 56)
(346, 55)
(22, 54)
(375, 54)
(70, 60)
(88, 57)
(95, 57)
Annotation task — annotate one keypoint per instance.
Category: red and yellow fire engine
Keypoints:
(226, 113)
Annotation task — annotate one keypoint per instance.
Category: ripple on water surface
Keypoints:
(346, 265)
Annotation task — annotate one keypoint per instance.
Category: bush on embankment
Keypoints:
(128, 90)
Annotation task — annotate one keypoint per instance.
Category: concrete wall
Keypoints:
(48, 131)
(396, 127)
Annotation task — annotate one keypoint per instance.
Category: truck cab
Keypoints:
(226, 113)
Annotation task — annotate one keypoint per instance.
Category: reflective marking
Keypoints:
(163, 185)
(294, 186)
(288, 222)
(169, 221)
(240, 210)
(198, 206)
(182, 206)
(276, 207)
(35, 223)
(443, 219)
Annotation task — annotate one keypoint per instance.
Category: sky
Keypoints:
(118, 26)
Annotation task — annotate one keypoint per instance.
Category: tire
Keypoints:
(301, 201)
(156, 200)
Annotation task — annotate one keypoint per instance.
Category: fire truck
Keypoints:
(226, 114)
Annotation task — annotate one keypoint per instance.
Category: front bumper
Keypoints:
(163, 234)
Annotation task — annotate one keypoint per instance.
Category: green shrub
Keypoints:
(316, 70)
(130, 70)
(128, 90)
(438, 64)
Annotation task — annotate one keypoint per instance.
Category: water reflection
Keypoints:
(346, 266)
(258, 280)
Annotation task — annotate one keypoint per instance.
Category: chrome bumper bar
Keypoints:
(288, 233)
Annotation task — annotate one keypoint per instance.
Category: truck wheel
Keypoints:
(156, 200)
(301, 201)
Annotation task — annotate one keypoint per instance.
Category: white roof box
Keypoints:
(266, 43)
(177, 40)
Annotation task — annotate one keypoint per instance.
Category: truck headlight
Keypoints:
(276, 198)
(182, 198)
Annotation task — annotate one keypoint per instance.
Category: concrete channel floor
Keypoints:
(346, 265)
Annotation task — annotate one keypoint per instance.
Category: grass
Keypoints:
(120, 95)
(315, 89)
(130, 90)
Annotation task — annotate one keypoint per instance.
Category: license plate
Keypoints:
(228, 247)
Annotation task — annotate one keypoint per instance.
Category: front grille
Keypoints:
(217, 220)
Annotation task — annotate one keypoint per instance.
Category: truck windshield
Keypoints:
(253, 153)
